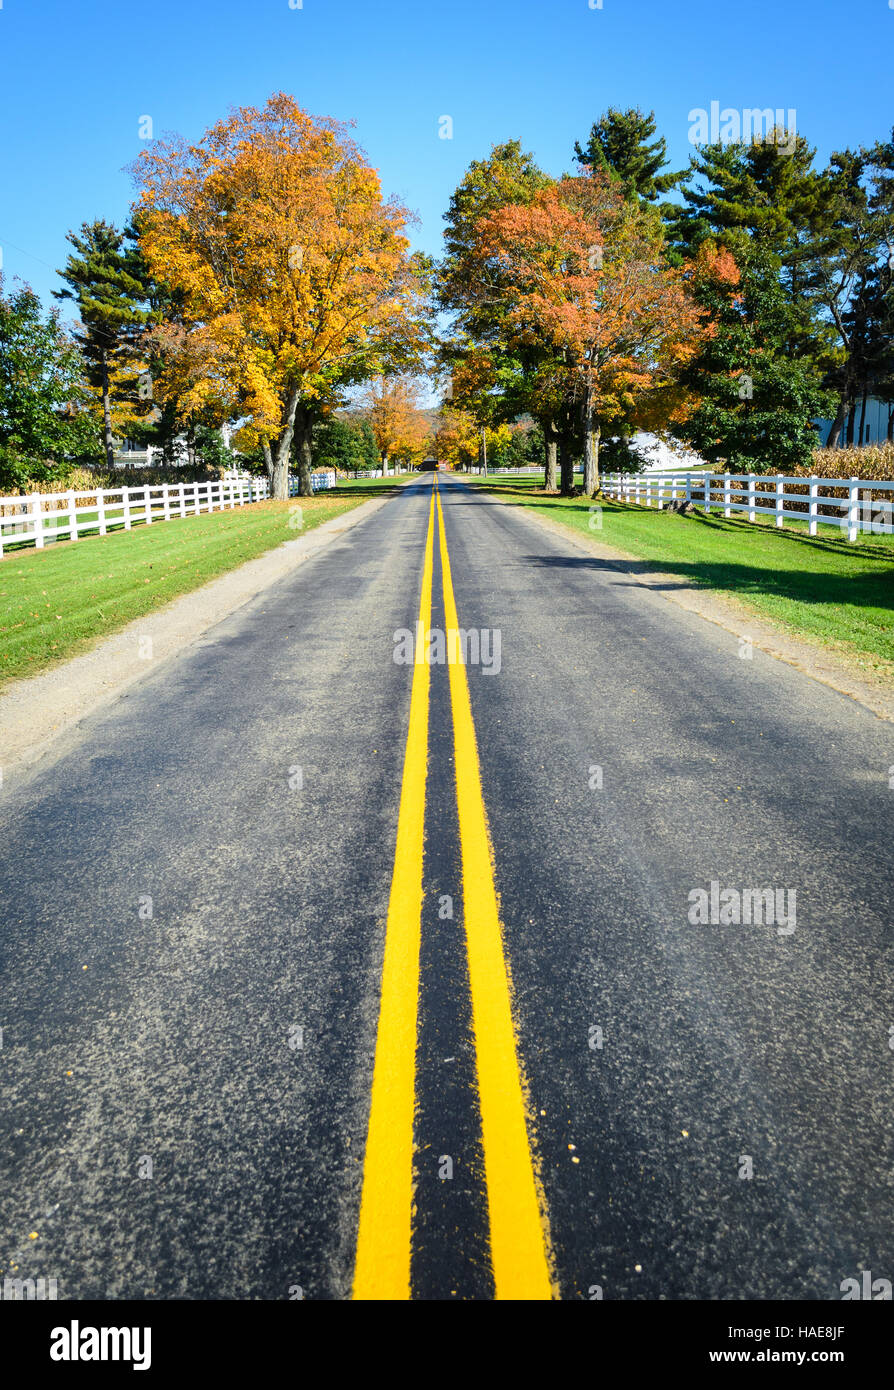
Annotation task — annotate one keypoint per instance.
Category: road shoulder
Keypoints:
(830, 668)
(36, 712)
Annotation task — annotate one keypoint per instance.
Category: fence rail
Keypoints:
(38, 518)
(847, 503)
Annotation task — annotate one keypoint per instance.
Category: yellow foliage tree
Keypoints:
(292, 275)
(392, 405)
(456, 437)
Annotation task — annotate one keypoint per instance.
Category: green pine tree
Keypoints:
(104, 277)
(621, 143)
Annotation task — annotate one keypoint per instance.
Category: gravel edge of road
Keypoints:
(37, 711)
(732, 614)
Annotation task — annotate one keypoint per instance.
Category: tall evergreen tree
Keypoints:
(105, 278)
(775, 198)
(756, 403)
(621, 143)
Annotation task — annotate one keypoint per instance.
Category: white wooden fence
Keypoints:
(38, 518)
(851, 504)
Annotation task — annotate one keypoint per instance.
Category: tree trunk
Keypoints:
(107, 439)
(482, 452)
(268, 463)
(863, 416)
(838, 423)
(303, 428)
(852, 415)
(282, 453)
(591, 450)
(566, 459)
(551, 450)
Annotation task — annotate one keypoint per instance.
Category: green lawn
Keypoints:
(57, 601)
(822, 587)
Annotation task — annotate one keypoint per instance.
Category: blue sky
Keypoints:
(77, 78)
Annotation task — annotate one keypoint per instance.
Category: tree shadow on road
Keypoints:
(875, 590)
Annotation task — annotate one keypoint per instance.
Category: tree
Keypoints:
(772, 197)
(392, 406)
(347, 445)
(620, 144)
(492, 380)
(44, 423)
(456, 437)
(819, 236)
(294, 276)
(852, 280)
(583, 272)
(755, 404)
(104, 280)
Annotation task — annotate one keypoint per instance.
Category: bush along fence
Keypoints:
(853, 505)
(39, 518)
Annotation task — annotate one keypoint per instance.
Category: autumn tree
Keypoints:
(493, 376)
(393, 407)
(456, 437)
(582, 270)
(293, 274)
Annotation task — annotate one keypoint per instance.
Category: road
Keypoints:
(207, 1074)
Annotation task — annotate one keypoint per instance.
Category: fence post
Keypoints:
(37, 517)
(182, 498)
(752, 501)
(166, 500)
(853, 509)
(125, 504)
(780, 498)
(689, 487)
(707, 491)
(814, 504)
(148, 504)
(727, 509)
(72, 516)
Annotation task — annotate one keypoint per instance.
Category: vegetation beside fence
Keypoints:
(824, 588)
(57, 601)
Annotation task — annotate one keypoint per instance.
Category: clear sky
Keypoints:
(77, 76)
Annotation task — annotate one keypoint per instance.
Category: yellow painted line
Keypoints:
(519, 1231)
(382, 1268)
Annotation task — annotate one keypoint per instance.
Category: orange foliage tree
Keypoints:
(583, 270)
(292, 276)
(392, 405)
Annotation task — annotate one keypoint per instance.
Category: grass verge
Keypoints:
(824, 588)
(58, 601)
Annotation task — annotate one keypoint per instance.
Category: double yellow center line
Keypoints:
(519, 1235)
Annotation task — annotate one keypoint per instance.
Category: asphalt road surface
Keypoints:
(206, 1072)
